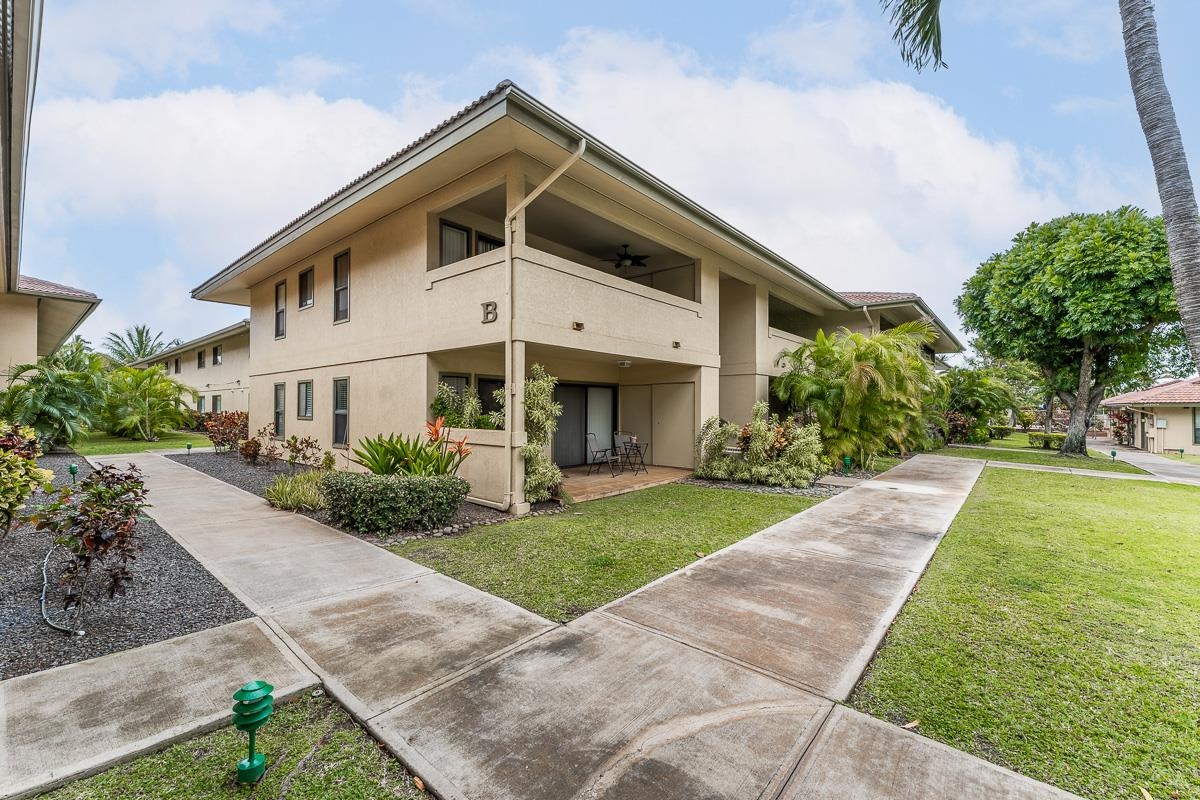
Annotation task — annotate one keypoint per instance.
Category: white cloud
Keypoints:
(91, 46)
(828, 40)
(307, 73)
(1093, 105)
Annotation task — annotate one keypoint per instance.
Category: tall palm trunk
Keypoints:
(1157, 114)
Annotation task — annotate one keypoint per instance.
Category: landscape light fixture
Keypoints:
(189, 448)
(254, 705)
(74, 470)
(1113, 453)
(846, 463)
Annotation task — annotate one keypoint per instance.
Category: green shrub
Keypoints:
(298, 492)
(1047, 441)
(770, 451)
(1026, 418)
(145, 403)
(543, 479)
(1000, 431)
(436, 454)
(384, 503)
(459, 409)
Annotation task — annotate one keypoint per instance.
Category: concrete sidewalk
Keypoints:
(719, 680)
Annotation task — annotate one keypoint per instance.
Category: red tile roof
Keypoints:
(28, 283)
(1181, 391)
(873, 298)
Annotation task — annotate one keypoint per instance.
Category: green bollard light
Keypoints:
(846, 463)
(74, 470)
(1113, 453)
(189, 448)
(253, 707)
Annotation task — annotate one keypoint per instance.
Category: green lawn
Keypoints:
(313, 750)
(564, 565)
(1016, 440)
(1187, 458)
(99, 443)
(1050, 458)
(1055, 633)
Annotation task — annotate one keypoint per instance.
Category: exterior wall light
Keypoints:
(578, 326)
(624, 364)
(253, 707)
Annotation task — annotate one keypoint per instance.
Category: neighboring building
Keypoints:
(216, 365)
(36, 316)
(886, 310)
(1165, 417)
(505, 237)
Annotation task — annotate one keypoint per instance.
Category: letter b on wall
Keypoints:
(489, 312)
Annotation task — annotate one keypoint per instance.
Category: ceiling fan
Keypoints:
(627, 259)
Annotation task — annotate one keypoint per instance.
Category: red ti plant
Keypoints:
(452, 451)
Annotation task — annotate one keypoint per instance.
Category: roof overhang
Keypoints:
(17, 104)
(916, 308)
(228, 332)
(58, 316)
(505, 120)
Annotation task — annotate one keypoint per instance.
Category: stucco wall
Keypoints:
(18, 332)
(230, 379)
(1178, 433)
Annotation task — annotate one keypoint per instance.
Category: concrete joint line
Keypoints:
(804, 752)
(277, 609)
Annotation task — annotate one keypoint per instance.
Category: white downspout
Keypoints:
(870, 322)
(510, 379)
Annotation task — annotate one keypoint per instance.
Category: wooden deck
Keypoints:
(582, 487)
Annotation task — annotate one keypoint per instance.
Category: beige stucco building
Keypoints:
(36, 316)
(216, 365)
(507, 236)
(1166, 417)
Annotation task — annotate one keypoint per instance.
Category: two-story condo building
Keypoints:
(508, 236)
(216, 365)
(36, 316)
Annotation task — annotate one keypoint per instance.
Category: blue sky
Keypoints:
(168, 139)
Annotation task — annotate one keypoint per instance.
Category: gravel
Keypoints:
(171, 595)
(255, 478)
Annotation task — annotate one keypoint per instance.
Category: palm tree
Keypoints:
(143, 403)
(918, 31)
(135, 344)
(868, 393)
(59, 395)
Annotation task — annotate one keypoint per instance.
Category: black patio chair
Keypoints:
(602, 455)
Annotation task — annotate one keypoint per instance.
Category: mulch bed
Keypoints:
(255, 478)
(171, 595)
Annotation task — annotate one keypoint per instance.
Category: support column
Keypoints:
(516, 402)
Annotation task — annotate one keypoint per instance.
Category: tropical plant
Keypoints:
(460, 409)
(19, 472)
(96, 523)
(917, 29)
(977, 396)
(1080, 297)
(868, 392)
(136, 343)
(770, 451)
(304, 451)
(299, 492)
(60, 395)
(145, 403)
(543, 479)
(249, 450)
(1025, 419)
(436, 454)
(227, 429)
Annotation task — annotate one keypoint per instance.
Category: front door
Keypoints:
(586, 409)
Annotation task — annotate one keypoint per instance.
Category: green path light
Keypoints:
(1113, 453)
(253, 707)
(846, 463)
(74, 470)
(189, 448)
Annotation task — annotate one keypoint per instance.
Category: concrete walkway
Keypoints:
(1159, 469)
(1174, 469)
(719, 680)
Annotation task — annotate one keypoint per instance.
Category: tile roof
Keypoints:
(500, 87)
(872, 298)
(28, 283)
(1182, 391)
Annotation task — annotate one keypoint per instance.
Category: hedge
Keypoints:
(386, 503)
(1000, 431)
(1047, 441)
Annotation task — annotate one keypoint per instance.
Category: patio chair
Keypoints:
(602, 455)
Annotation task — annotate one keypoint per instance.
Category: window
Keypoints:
(456, 243)
(304, 400)
(1196, 426)
(486, 244)
(199, 359)
(218, 354)
(280, 309)
(341, 287)
(200, 404)
(341, 412)
(280, 391)
(177, 365)
(487, 390)
(216, 404)
(306, 288)
(458, 383)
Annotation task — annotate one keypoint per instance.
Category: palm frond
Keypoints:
(917, 29)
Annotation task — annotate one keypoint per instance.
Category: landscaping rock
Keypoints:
(171, 595)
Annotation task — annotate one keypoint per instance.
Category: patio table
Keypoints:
(634, 455)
